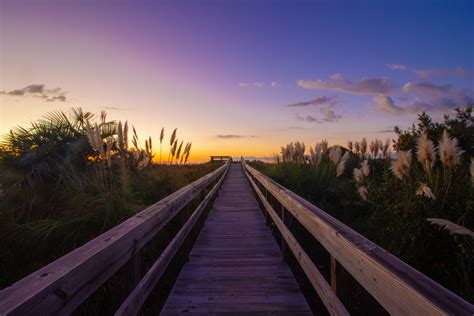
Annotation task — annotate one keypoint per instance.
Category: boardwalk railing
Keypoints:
(61, 286)
(398, 287)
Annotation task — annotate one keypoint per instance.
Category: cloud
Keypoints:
(307, 118)
(384, 131)
(233, 136)
(327, 114)
(365, 86)
(274, 84)
(114, 108)
(386, 104)
(427, 89)
(259, 84)
(443, 72)
(396, 66)
(243, 84)
(318, 101)
(38, 91)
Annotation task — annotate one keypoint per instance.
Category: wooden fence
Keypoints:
(398, 287)
(61, 286)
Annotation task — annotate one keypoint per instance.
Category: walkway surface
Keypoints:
(236, 265)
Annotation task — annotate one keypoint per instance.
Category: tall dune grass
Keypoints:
(392, 192)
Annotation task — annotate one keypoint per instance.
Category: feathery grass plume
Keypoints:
(365, 168)
(135, 138)
(385, 148)
(147, 149)
(342, 164)
(363, 192)
(125, 135)
(426, 152)
(173, 136)
(401, 167)
(120, 136)
(373, 149)
(173, 150)
(363, 146)
(350, 145)
(451, 227)
(90, 136)
(178, 153)
(150, 144)
(98, 140)
(188, 152)
(162, 135)
(357, 147)
(424, 190)
(335, 154)
(324, 146)
(358, 176)
(172, 140)
(449, 152)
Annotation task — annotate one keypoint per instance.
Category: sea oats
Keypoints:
(401, 167)
(363, 192)
(426, 152)
(425, 190)
(449, 151)
(358, 176)
(342, 164)
(365, 168)
(335, 154)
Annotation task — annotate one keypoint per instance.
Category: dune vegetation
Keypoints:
(412, 196)
(68, 177)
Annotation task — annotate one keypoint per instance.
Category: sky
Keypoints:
(238, 77)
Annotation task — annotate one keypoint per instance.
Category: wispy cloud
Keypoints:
(364, 86)
(397, 66)
(259, 84)
(234, 136)
(326, 114)
(307, 118)
(38, 91)
(318, 101)
(386, 104)
(443, 72)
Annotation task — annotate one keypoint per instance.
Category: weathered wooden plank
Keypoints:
(398, 287)
(328, 297)
(64, 284)
(235, 264)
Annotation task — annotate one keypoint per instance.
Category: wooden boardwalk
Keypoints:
(236, 265)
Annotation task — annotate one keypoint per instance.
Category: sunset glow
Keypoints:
(315, 70)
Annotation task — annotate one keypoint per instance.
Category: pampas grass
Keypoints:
(335, 154)
(449, 151)
(401, 167)
(342, 164)
(424, 190)
(362, 190)
(365, 168)
(426, 153)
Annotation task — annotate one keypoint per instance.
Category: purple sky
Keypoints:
(238, 77)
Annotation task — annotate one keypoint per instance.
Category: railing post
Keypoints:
(283, 243)
(334, 274)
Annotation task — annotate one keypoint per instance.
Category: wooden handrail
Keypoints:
(328, 297)
(61, 286)
(133, 303)
(398, 287)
